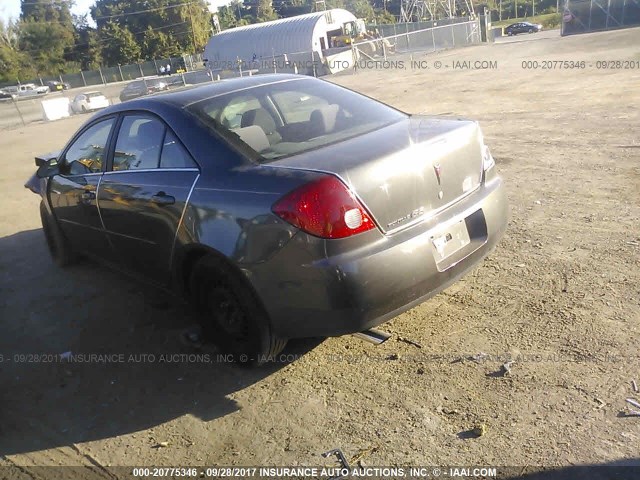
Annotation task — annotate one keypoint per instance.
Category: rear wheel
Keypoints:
(59, 247)
(231, 315)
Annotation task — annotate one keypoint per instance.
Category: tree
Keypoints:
(227, 17)
(161, 28)
(14, 65)
(46, 33)
(265, 11)
(384, 17)
(361, 9)
(87, 51)
(119, 45)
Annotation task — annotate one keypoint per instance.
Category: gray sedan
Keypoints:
(281, 206)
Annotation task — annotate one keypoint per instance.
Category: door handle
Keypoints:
(162, 199)
(87, 196)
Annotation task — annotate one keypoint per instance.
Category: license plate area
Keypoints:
(455, 241)
(450, 240)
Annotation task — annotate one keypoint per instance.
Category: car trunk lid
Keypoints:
(405, 171)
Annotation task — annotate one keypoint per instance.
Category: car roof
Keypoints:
(187, 96)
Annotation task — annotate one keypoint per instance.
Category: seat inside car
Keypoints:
(263, 119)
(147, 143)
(253, 136)
(323, 120)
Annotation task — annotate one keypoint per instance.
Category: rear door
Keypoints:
(144, 194)
(73, 195)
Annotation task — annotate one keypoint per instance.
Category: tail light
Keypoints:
(325, 208)
(487, 159)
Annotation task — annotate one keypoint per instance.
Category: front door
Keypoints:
(144, 194)
(73, 193)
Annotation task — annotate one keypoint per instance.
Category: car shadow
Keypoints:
(627, 469)
(87, 353)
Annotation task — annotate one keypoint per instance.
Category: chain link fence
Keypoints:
(120, 73)
(426, 40)
(581, 16)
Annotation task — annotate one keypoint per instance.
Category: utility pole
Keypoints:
(500, 10)
(533, 8)
(193, 32)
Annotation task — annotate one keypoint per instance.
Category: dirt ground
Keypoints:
(560, 296)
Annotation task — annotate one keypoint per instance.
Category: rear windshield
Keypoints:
(94, 94)
(291, 117)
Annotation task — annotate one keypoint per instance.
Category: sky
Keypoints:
(11, 8)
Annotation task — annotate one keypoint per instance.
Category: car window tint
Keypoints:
(287, 118)
(139, 143)
(231, 115)
(297, 106)
(86, 154)
(174, 154)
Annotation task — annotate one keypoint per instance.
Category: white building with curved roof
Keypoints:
(261, 42)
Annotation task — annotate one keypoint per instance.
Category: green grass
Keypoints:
(548, 21)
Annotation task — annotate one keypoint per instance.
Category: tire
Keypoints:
(59, 248)
(531, 30)
(231, 314)
(510, 34)
(84, 109)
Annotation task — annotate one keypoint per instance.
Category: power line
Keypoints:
(137, 12)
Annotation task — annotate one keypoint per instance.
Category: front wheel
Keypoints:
(59, 248)
(531, 30)
(231, 314)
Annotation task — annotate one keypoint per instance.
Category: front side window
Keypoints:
(86, 154)
(139, 143)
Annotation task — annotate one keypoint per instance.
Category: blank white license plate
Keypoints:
(449, 240)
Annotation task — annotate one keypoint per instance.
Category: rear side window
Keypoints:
(139, 143)
(174, 154)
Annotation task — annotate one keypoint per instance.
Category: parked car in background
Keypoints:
(55, 86)
(26, 90)
(144, 86)
(522, 27)
(282, 206)
(6, 95)
(89, 102)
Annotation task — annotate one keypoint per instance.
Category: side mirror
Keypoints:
(48, 168)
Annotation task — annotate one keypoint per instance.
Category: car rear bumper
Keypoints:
(366, 286)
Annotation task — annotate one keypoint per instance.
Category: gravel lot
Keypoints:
(560, 296)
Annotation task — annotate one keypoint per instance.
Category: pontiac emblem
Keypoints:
(438, 169)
